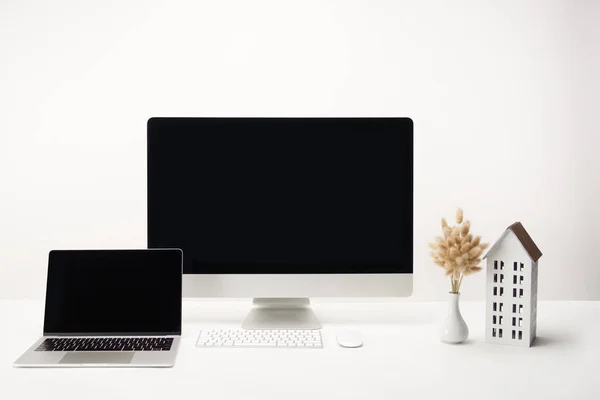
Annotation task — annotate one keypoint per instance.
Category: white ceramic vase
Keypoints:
(454, 329)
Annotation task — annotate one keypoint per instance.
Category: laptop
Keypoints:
(110, 308)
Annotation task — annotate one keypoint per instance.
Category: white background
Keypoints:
(502, 93)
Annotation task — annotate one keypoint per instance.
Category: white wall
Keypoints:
(503, 95)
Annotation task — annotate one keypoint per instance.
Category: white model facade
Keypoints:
(512, 283)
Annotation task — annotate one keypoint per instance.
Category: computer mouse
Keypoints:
(349, 339)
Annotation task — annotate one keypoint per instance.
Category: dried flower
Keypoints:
(457, 250)
(465, 248)
(459, 216)
(464, 230)
(467, 239)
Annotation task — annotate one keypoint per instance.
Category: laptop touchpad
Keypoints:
(97, 358)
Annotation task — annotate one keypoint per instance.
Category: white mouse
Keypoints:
(349, 339)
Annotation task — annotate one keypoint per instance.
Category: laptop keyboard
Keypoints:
(106, 344)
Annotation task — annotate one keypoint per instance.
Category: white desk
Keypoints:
(402, 358)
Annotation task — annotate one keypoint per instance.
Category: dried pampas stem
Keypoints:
(459, 216)
(447, 232)
(457, 251)
(465, 248)
(467, 239)
(464, 230)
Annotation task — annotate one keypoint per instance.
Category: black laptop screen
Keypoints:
(113, 292)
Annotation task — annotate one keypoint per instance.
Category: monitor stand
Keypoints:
(292, 313)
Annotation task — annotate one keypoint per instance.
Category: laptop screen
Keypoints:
(113, 292)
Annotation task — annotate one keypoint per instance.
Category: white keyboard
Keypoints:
(301, 338)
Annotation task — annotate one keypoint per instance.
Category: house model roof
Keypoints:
(521, 234)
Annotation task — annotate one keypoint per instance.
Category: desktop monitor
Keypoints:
(283, 209)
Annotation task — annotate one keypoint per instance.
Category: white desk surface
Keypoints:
(402, 358)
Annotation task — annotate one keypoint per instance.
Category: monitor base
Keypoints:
(273, 313)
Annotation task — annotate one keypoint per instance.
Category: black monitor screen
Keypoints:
(282, 195)
(113, 292)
